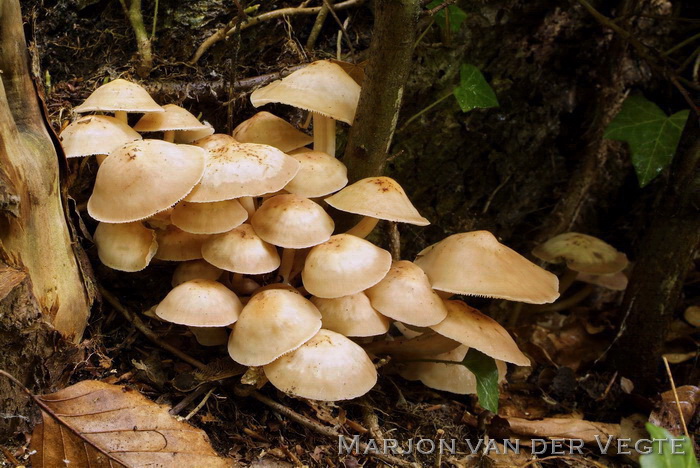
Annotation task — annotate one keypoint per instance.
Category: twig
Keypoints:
(423, 111)
(681, 44)
(438, 8)
(342, 28)
(200, 405)
(175, 410)
(143, 42)
(675, 395)
(155, 20)
(318, 25)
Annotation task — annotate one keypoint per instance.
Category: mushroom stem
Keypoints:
(169, 136)
(569, 302)
(364, 227)
(286, 264)
(121, 115)
(242, 285)
(566, 280)
(249, 205)
(324, 134)
(210, 336)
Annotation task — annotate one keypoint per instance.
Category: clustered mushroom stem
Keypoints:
(121, 115)
(248, 204)
(286, 264)
(169, 136)
(569, 302)
(324, 134)
(566, 280)
(364, 227)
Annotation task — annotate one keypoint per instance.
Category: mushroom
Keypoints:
(319, 174)
(268, 129)
(173, 119)
(351, 315)
(208, 218)
(119, 96)
(195, 269)
(190, 136)
(241, 251)
(322, 88)
(95, 135)
(200, 303)
(177, 245)
(210, 336)
(125, 247)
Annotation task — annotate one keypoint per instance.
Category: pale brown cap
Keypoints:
(200, 303)
(208, 218)
(267, 129)
(582, 253)
(125, 247)
(476, 264)
(160, 220)
(377, 197)
(274, 322)
(614, 281)
(195, 269)
(328, 367)
(95, 134)
(319, 174)
(405, 295)
(241, 250)
(177, 245)
(351, 316)
(119, 95)
(189, 136)
(173, 118)
(321, 87)
(293, 222)
(142, 178)
(344, 265)
(476, 330)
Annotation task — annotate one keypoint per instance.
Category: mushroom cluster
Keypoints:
(262, 269)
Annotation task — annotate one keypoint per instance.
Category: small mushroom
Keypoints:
(173, 119)
(119, 96)
(176, 245)
(95, 135)
(351, 315)
(210, 336)
(200, 303)
(195, 269)
(319, 174)
(208, 218)
(125, 247)
(268, 129)
(242, 251)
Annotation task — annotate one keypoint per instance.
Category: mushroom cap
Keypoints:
(119, 95)
(405, 294)
(237, 170)
(188, 136)
(344, 265)
(328, 367)
(274, 322)
(95, 134)
(321, 87)
(319, 174)
(293, 222)
(582, 253)
(377, 197)
(209, 218)
(125, 247)
(142, 178)
(476, 264)
(173, 118)
(614, 281)
(174, 244)
(351, 315)
(268, 129)
(200, 303)
(476, 330)
(241, 250)
(195, 269)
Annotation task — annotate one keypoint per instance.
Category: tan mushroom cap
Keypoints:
(582, 253)
(476, 264)
(405, 294)
(351, 316)
(321, 87)
(142, 178)
(95, 134)
(177, 245)
(195, 269)
(377, 197)
(267, 129)
(344, 265)
(237, 170)
(173, 118)
(200, 303)
(125, 247)
(293, 222)
(319, 174)
(215, 141)
(274, 322)
(119, 95)
(476, 330)
(208, 218)
(614, 281)
(241, 250)
(328, 367)
(189, 136)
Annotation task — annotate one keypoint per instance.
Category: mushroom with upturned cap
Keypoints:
(125, 247)
(119, 96)
(241, 250)
(351, 315)
(172, 119)
(268, 129)
(200, 303)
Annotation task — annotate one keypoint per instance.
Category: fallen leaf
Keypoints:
(666, 415)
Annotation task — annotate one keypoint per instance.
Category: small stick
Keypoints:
(175, 410)
(200, 405)
(675, 395)
(316, 29)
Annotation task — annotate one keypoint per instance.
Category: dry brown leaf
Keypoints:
(95, 424)
(666, 414)
(564, 428)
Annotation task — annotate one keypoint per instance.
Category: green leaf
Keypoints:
(452, 16)
(663, 456)
(486, 372)
(651, 135)
(473, 90)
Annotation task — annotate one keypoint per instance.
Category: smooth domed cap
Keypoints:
(237, 170)
(319, 174)
(241, 250)
(195, 269)
(614, 281)
(293, 222)
(125, 247)
(344, 265)
(200, 303)
(177, 245)
(476, 330)
(267, 129)
(274, 322)
(321, 87)
(119, 95)
(328, 367)
(405, 295)
(377, 197)
(215, 141)
(188, 136)
(142, 178)
(173, 118)
(351, 316)
(95, 134)
(208, 218)
(476, 264)
(582, 253)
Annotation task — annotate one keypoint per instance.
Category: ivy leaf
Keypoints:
(663, 455)
(486, 372)
(651, 135)
(452, 16)
(473, 90)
